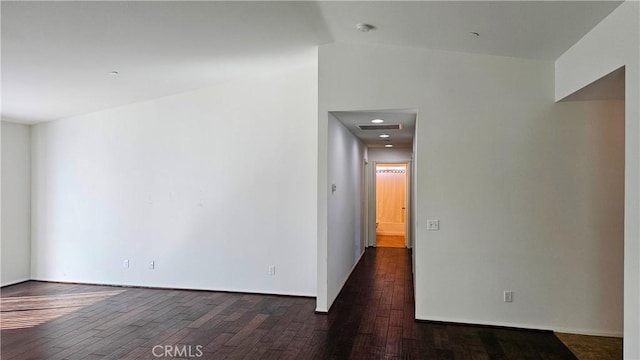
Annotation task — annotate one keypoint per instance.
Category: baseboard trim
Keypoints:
(228, 291)
(487, 326)
(589, 332)
(15, 282)
(491, 324)
(518, 326)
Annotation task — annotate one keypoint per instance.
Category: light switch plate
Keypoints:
(433, 225)
(508, 296)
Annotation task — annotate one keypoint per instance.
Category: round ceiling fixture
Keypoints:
(388, 146)
(365, 27)
(377, 121)
(384, 136)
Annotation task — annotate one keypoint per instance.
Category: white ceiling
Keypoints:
(527, 29)
(398, 138)
(56, 56)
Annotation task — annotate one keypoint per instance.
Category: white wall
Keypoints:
(214, 185)
(16, 193)
(346, 156)
(611, 44)
(528, 192)
(393, 155)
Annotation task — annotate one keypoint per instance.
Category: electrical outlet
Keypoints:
(508, 296)
(433, 225)
(152, 264)
(272, 270)
(126, 264)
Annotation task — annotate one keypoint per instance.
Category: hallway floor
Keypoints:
(390, 241)
(372, 318)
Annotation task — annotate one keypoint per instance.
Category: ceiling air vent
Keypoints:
(380, 127)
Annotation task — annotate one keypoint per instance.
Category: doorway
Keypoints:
(391, 205)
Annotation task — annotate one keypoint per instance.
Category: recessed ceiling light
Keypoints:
(114, 73)
(388, 146)
(377, 121)
(365, 27)
(384, 136)
(474, 34)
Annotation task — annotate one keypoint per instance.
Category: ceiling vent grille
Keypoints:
(380, 127)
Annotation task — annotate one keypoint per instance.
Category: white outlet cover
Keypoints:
(433, 225)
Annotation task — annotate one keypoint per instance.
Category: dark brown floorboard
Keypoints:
(372, 318)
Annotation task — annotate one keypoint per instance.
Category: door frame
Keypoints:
(364, 205)
(371, 218)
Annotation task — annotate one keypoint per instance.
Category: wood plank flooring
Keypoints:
(390, 241)
(587, 347)
(372, 318)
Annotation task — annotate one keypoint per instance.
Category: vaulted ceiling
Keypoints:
(57, 56)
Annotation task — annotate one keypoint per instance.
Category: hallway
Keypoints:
(372, 318)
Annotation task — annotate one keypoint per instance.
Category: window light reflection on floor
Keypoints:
(21, 312)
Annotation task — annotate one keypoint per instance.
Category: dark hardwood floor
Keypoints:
(371, 319)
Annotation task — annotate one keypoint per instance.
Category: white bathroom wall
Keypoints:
(15, 243)
(213, 185)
